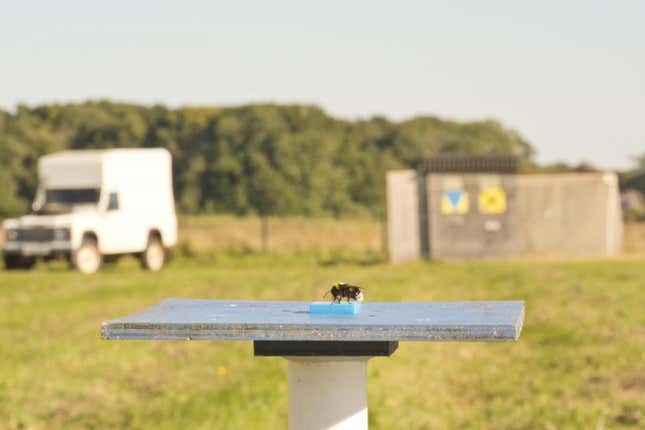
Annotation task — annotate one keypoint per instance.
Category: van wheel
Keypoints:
(15, 262)
(154, 257)
(87, 258)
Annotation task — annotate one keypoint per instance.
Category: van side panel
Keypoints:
(142, 179)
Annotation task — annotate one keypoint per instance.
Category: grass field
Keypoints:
(321, 237)
(580, 362)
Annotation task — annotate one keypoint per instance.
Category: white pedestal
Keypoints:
(327, 393)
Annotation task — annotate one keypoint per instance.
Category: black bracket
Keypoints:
(289, 348)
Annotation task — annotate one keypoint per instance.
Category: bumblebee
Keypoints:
(342, 290)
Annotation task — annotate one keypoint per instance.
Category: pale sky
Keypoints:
(568, 75)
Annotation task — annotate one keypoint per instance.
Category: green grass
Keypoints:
(580, 362)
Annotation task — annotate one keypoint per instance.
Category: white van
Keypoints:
(94, 205)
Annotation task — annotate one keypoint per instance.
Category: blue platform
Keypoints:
(326, 308)
(177, 319)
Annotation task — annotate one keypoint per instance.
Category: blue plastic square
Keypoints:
(326, 308)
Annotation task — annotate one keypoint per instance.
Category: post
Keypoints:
(327, 380)
(424, 235)
(327, 393)
(264, 221)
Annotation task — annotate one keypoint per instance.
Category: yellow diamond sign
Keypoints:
(492, 200)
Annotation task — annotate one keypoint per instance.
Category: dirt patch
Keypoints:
(634, 386)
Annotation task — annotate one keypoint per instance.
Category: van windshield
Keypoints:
(72, 196)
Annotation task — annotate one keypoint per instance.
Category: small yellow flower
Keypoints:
(221, 370)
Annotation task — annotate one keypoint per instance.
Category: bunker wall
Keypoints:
(478, 216)
(403, 216)
(462, 226)
(570, 215)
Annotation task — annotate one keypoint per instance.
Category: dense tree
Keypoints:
(266, 159)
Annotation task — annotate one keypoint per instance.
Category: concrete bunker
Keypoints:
(484, 209)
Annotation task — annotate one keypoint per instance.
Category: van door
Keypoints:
(114, 228)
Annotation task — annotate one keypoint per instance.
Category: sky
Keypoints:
(569, 76)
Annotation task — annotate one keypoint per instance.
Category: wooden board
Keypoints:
(176, 319)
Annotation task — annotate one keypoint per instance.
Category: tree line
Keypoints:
(263, 159)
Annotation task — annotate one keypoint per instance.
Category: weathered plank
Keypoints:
(176, 319)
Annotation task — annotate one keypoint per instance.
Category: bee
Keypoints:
(342, 290)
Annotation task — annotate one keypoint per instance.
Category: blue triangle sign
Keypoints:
(454, 197)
